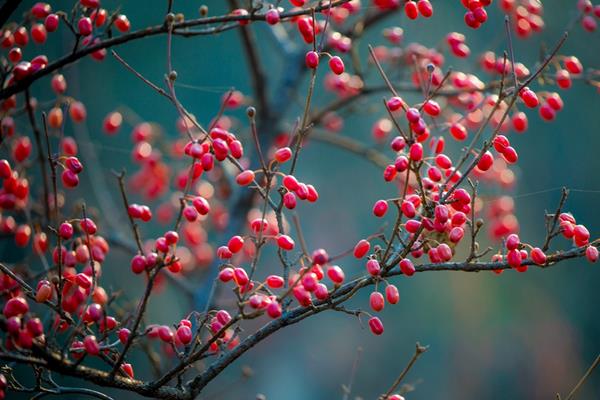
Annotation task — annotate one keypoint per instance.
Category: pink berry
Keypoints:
(380, 208)
(312, 59)
(336, 274)
(591, 253)
(391, 294)
(84, 26)
(376, 301)
(361, 248)
(538, 256)
(272, 16)
(407, 267)
(285, 242)
(336, 65)
(376, 326)
(245, 178)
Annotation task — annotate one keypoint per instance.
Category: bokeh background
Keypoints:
(513, 336)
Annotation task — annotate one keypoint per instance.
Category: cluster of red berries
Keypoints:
(41, 20)
(572, 68)
(297, 190)
(22, 329)
(458, 47)
(494, 64)
(501, 217)
(476, 13)
(590, 14)
(412, 8)
(526, 15)
(336, 65)
(72, 169)
(14, 193)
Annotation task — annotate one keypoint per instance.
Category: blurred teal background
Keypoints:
(513, 336)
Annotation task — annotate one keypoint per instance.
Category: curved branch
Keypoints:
(344, 293)
(147, 32)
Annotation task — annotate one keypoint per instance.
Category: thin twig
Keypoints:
(418, 351)
(585, 376)
(134, 226)
(552, 226)
(40, 150)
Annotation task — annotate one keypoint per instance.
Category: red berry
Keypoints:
(285, 242)
(226, 274)
(529, 98)
(376, 301)
(563, 79)
(122, 23)
(274, 309)
(15, 55)
(275, 281)
(127, 369)
(380, 208)
(391, 294)
(15, 306)
(407, 267)
(336, 274)
(513, 258)
(289, 200)
(240, 277)
(373, 267)
(458, 132)
(38, 33)
(244, 178)
(51, 22)
(394, 104)
(98, 16)
(123, 335)
(376, 326)
(411, 10)
(272, 16)
(591, 253)
(91, 345)
(65, 230)
(486, 161)
(235, 244)
(456, 234)
(283, 154)
(5, 169)
(519, 122)
(138, 264)
(512, 242)
(69, 178)
(425, 8)
(84, 26)
(59, 84)
(336, 65)
(573, 65)
(112, 122)
(510, 155)
(184, 334)
(77, 111)
(40, 10)
(44, 291)
(312, 59)
(416, 152)
(589, 23)
(165, 333)
(538, 256)
(361, 248)
(201, 205)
